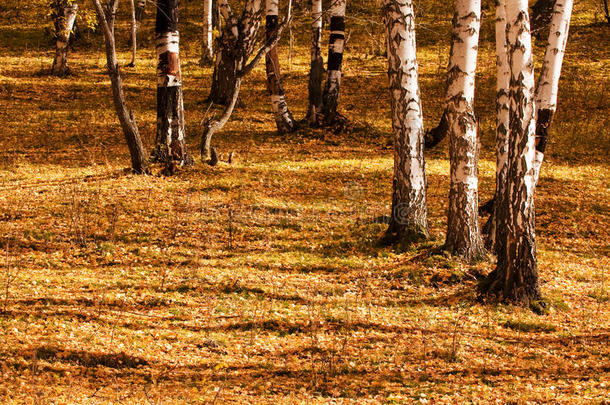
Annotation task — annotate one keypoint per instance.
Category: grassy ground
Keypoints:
(262, 282)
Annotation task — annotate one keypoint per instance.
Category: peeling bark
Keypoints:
(408, 221)
(515, 278)
(548, 83)
(336, 42)
(126, 118)
(463, 236)
(316, 69)
(283, 118)
(236, 43)
(502, 126)
(64, 16)
(170, 144)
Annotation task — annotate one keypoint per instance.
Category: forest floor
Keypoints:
(263, 281)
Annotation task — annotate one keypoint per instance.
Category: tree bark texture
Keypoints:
(336, 42)
(463, 236)
(236, 43)
(126, 118)
(170, 145)
(207, 44)
(283, 118)
(316, 69)
(548, 82)
(502, 125)
(64, 15)
(516, 276)
(408, 221)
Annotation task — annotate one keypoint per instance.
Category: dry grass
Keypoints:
(262, 282)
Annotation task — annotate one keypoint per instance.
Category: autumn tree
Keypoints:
(207, 44)
(170, 144)
(547, 87)
(515, 278)
(236, 44)
(336, 43)
(408, 221)
(63, 13)
(463, 236)
(316, 69)
(137, 15)
(106, 18)
(283, 117)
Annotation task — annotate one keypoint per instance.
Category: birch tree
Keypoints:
(316, 69)
(246, 36)
(336, 42)
(463, 236)
(106, 17)
(515, 278)
(236, 43)
(502, 124)
(548, 82)
(283, 118)
(64, 15)
(170, 144)
(137, 15)
(207, 45)
(408, 221)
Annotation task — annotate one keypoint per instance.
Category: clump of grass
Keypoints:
(529, 326)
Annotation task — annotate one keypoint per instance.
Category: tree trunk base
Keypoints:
(404, 236)
(492, 288)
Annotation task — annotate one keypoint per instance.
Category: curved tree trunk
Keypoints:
(283, 118)
(126, 118)
(64, 15)
(207, 48)
(463, 236)
(548, 82)
(408, 222)
(316, 69)
(516, 276)
(502, 125)
(170, 144)
(336, 42)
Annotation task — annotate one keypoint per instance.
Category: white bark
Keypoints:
(502, 116)
(548, 82)
(207, 49)
(68, 17)
(516, 276)
(283, 118)
(463, 236)
(409, 212)
(335, 60)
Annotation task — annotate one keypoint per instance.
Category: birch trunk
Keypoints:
(316, 69)
(126, 118)
(463, 236)
(170, 144)
(330, 97)
(207, 48)
(283, 118)
(502, 125)
(137, 14)
(64, 14)
(548, 82)
(516, 276)
(408, 221)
